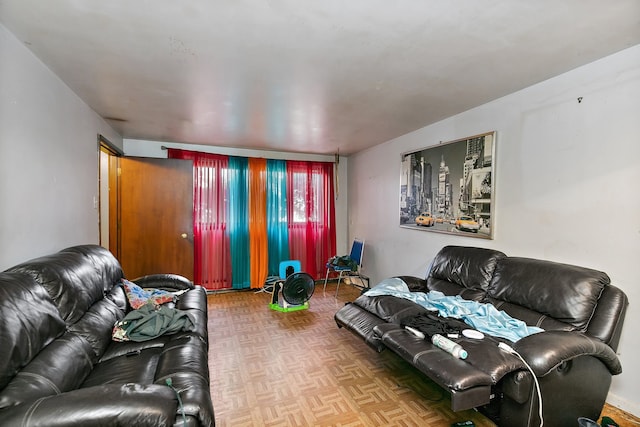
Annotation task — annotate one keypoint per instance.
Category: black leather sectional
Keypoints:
(573, 359)
(59, 365)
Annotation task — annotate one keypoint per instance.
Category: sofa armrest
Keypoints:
(546, 351)
(126, 404)
(170, 282)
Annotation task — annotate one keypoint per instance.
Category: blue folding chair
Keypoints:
(357, 251)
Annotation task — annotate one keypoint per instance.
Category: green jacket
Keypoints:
(149, 322)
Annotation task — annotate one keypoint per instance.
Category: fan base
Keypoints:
(288, 308)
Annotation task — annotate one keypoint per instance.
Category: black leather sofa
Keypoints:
(573, 359)
(60, 367)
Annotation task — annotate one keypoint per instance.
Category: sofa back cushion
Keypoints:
(96, 326)
(70, 278)
(464, 271)
(30, 321)
(105, 264)
(566, 293)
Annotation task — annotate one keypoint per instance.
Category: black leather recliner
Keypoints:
(60, 367)
(573, 359)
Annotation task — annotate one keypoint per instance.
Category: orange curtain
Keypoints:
(258, 242)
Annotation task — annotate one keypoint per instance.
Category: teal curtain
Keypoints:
(277, 229)
(238, 222)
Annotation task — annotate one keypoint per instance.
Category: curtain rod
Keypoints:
(336, 155)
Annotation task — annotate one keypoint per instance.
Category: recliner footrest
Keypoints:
(469, 387)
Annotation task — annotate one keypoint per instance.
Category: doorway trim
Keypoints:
(108, 199)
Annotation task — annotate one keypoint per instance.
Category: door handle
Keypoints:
(184, 235)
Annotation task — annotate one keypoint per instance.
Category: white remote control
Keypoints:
(414, 332)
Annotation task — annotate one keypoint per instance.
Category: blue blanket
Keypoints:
(483, 317)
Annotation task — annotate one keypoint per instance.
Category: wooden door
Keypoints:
(155, 221)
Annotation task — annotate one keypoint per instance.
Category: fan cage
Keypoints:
(296, 291)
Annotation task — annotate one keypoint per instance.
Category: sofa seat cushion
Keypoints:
(151, 361)
(60, 367)
(137, 366)
(482, 316)
(531, 317)
(107, 405)
(389, 308)
(452, 289)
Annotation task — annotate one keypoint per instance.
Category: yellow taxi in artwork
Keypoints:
(425, 219)
(467, 223)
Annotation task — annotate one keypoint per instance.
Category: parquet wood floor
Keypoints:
(295, 369)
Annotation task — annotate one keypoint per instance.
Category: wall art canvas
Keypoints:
(449, 187)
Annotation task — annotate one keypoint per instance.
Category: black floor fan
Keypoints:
(293, 293)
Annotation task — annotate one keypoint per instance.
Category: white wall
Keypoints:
(566, 177)
(48, 159)
(144, 148)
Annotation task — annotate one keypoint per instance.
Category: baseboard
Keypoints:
(625, 405)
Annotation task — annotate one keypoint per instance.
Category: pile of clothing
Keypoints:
(152, 315)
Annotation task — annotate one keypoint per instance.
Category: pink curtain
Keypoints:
(311, 214)
(212, 260)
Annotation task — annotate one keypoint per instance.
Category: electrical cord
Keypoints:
(180, 405)
(509, 349)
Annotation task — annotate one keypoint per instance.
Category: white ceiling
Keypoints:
(308, 76)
